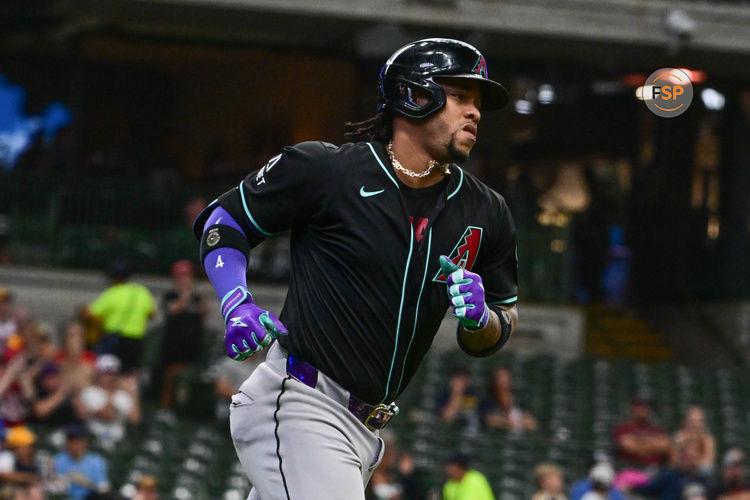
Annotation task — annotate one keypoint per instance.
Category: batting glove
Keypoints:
(466, 295)
(249, 327)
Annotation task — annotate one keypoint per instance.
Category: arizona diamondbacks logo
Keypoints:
(480, 67)
(465, 252)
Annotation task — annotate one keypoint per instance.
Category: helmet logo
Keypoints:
(480, 68)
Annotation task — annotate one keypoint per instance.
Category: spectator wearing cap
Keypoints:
(148, 489)
(54, 404)
(79, 472)
(459, 402)
(638, 442)
(110, 403)
(465, 483)
(598, 484)
(502, 410)
(184, 309)
(694, 428)
(19, 470)
(682, 481)
(549, 482)
(124, 310)
(732, 483)
(8, 324)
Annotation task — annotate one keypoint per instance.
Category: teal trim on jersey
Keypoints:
(247, 212)
(505, 301)
(460, 183)
(416, 314)
(381, 165)
(400, 309)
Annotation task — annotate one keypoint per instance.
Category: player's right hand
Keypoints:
(250, 329)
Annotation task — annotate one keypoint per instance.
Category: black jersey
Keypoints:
(365, 297)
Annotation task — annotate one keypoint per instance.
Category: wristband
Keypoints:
(232, 299)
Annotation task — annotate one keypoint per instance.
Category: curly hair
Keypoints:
(378, 128)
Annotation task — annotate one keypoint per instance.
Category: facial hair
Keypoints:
(456, 156)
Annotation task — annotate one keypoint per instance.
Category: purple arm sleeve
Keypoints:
(225, 267)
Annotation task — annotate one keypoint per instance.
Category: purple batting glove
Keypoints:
(466, 295)
(249, 328)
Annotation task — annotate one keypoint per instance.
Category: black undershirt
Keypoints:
(419, 203)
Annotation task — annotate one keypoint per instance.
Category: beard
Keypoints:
(455, 155)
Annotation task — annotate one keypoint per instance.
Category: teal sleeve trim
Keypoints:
(506, 301)
(381, 165)
(249, 215)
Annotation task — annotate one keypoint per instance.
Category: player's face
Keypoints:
(453, 130)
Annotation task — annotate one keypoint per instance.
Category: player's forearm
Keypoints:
(225, 267)
(497, 330)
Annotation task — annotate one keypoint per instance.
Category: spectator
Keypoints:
(148, 489)
(459, 402)
(684, 480)
(501, 411)
(598, 485)
(395, 478)
(732, 484)
(124, 309)
(464, 483)
(77, 365)
(27, 355)
(694, 427)
(79, 472)
(549, 483)
(8, 325)
(54, 404)
(111, 403)
(19, 470)
(182, 344)
(229, 375)
(639, 442)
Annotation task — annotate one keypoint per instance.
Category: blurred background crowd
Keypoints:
(121, 119)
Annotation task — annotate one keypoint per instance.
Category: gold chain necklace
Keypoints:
(397, 165)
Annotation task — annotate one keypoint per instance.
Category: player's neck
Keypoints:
(413, 156)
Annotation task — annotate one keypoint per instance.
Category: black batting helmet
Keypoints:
(415, 65)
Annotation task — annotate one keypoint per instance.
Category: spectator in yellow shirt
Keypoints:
(464, 483)
(124, 310)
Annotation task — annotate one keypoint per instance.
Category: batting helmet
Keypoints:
(416, 65)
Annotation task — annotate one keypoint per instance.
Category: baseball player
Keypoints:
(387, 232)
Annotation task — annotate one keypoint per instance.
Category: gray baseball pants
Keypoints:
(299, 443)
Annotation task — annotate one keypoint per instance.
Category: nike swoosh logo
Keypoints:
(367, 194)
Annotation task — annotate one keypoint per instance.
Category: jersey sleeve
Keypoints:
(286, 192)
(498, 266)
(102, 303)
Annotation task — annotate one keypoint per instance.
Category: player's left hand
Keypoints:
(466, 295)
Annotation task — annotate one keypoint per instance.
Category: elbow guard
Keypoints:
(221, 236)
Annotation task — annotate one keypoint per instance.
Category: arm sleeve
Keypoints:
(100, 305)
(287, 192)
(498, 266)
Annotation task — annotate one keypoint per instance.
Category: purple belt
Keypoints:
(374, 417)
